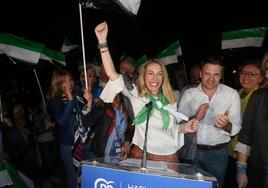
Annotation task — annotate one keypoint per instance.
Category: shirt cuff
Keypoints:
(242, 148)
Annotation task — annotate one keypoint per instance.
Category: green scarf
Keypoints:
(142, 115)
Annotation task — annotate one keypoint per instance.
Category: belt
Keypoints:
(208, 147)
(136, 152)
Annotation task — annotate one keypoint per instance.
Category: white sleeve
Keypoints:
(242, 148)
(111, 89)
(235, 114)
(184, 105)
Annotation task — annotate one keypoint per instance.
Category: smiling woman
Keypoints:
(165, 133)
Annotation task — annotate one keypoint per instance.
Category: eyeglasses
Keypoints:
(249, 74)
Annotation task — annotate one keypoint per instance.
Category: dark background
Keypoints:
(157, 24)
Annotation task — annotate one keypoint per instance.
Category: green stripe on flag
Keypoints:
(245, 33)
(48, 54)
(141, 60)
(12, 40)
(170, 50)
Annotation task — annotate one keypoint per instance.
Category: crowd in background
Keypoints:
(74, 123)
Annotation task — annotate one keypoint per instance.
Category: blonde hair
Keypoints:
(56, 81)
(264, 63)
(167, 90)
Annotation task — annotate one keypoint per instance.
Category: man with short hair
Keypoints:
(218, 109)
(128, 70)
(128, 66)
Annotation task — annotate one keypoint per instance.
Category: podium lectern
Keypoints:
(127, 173)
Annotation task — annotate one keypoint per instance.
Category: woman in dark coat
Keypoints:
(252, 158)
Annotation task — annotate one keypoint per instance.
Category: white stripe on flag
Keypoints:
(68, 46)
(242, 42)
(28, 51)
(26, 180)
(5, 179)
(131, 5)
(178, 51)
(168, 60)
(169, 55)
(20, 53)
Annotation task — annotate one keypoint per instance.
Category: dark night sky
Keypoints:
(158, 24)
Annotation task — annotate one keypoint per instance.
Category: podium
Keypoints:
(127, 173)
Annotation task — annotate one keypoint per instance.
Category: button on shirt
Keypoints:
(224, 99)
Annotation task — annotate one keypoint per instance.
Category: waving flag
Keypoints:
(49, 55)
(170, 54)
(68, 46)
(11, 176)
(252, 37)
(130, 7)
(20, 48)
(28, 51)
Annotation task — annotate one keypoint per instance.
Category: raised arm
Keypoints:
(101, 32)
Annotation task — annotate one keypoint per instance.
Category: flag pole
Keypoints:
(40, 88)
(83, 44)
(11, 59)
(185, 72)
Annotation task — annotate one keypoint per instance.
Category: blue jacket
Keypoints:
(63, 112)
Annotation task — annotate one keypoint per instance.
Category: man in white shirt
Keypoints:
(217, 106)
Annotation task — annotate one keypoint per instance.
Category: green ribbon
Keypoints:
(142, 115)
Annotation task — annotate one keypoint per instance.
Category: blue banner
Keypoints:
(102, 177)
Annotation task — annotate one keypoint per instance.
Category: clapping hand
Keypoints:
(201, 112)
(190, 126)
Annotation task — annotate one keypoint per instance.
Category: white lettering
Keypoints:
(135, 186)
(102, 183)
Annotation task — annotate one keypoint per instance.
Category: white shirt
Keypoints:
(224, 99)
(159, 142)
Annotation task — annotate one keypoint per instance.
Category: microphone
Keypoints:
(149, 106)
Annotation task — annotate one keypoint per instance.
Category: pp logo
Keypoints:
(102, 183)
